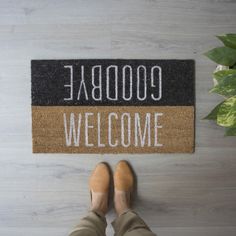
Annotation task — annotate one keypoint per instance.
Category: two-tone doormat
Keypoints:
(113, 106)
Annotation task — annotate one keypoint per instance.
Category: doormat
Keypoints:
(113, 106)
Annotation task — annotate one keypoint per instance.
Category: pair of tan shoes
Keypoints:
(100, 180)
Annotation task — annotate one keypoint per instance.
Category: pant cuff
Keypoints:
(115, 223)
(100, 215)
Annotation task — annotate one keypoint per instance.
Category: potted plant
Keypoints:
(224, 77)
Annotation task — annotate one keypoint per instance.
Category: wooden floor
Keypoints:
(180, 195)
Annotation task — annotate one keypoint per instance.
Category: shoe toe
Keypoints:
(123, 177)
(100, 178)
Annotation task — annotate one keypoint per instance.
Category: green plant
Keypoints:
(225, 83)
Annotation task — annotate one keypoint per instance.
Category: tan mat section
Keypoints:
(112, 129)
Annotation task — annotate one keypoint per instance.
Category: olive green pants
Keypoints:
(127, 224)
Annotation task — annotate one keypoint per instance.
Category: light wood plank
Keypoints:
(178, 194)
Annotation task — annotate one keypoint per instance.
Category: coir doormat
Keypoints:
(112, 106)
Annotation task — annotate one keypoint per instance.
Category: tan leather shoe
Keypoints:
(100, 178)
(123, 177)
(123, 186)
(99, 184)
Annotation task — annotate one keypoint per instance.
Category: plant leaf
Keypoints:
(226, 86)
(222, 55)
(229, 40)
(213, 114)
(230, 131)
(226, 115)
(223, 73)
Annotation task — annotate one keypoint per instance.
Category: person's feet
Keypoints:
(123, 187)
(99, 184)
